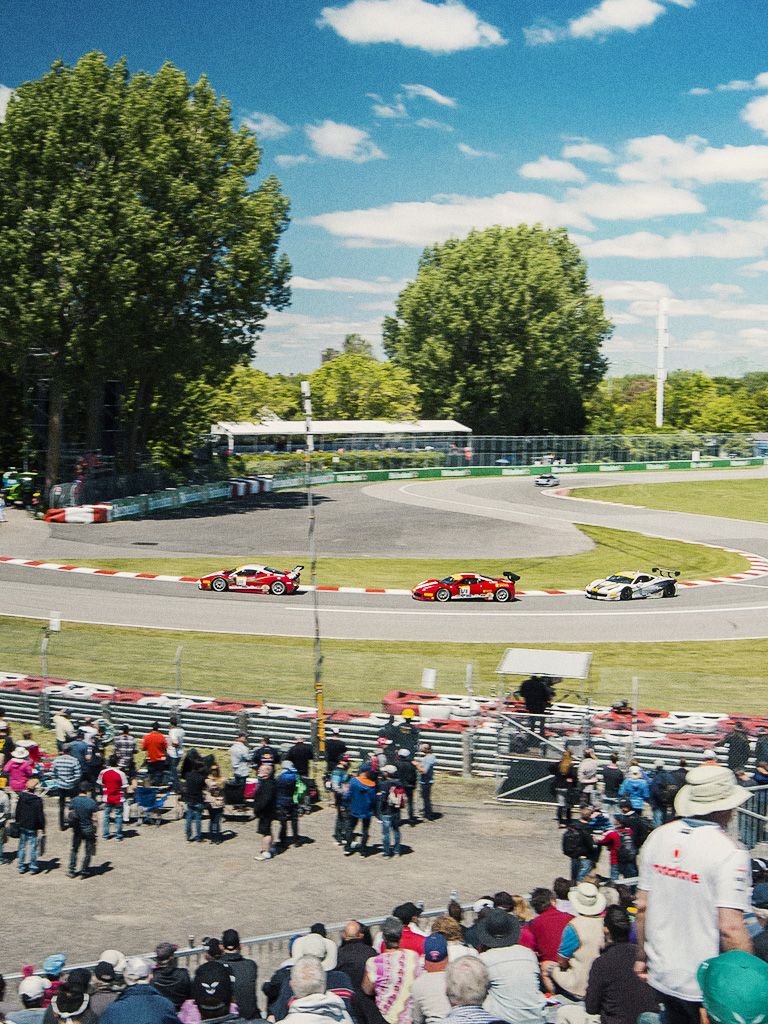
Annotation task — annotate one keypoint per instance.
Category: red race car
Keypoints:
(464, 586)
(253, 579)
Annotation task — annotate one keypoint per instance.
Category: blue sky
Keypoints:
(640, 125)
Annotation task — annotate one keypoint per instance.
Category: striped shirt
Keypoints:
(66, 771)
(124, 747)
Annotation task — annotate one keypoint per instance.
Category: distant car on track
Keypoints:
(253, 579)
(547, 480)
(626, 586)
(464, 586)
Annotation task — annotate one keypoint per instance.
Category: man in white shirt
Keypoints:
(695, 885)
(240, 756)
(175, 750)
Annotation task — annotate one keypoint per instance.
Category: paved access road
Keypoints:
(494, 516)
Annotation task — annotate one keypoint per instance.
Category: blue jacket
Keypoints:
(361, 798)
(140, 1004)
(285, 784)
(636, 791)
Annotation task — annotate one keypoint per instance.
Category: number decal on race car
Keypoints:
(464, 591)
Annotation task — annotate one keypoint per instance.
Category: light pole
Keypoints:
(662, 342)
(306, 395)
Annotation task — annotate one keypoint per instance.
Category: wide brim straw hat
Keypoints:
(707, 789)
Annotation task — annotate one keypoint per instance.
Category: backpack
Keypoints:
(573, 845)
(395, 798)
(299, 790)
(627, 850)
(642, 831)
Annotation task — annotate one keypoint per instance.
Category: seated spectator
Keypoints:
(71, 1003)
(480, 908)
(31, 993)
(168, 978)
(337, 982)
(615, 995)
(451, 930)
(105, 987)
(544, 933)
(211, 994)
(413, 937)
(53, 967)
(515, 982)
(582, 942)
(467, 984)
(430, 1003)
(354, 953)
(313, 1003)
(139, 1003)
(734, 989)
(244, 974)
(561, 887)
(117, 959)
(390, 975)
(522, 909)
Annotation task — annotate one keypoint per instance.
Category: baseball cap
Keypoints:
(382, 741)
(164, 951)
(482, 904)
(734, 988)
(212, 946)
(230, 939)
(104, 971)
(114, 957)
(33, 987)
(403, 752)
(54, 964)
(389, 769)
(137, 968)
(212, 987)
(435, 949)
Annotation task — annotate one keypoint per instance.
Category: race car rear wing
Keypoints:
(511, 576)
(295, 572)
(671, 573)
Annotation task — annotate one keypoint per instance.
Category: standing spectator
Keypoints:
(19, 770)
(581, 944)
(579, 845)
(635, 789)
(124, 748)
(265, 753)
(244, 974)
(430, 1002)
(63, 728)
(339, 783)
(391, 800)
(114, 785)
(613, 777)
(761, 745)
(615, 995)
(67, 774)
(426, 779)
(739, 749)
(214, 800)
(515, 981)
(361, 801)
(168, 978)
(34, 753)
(312, 1003)
(537, 696)
(544, 933)
(287, 809)
(30, 817)
(194, 790)
(564, 787)
(175, 750)
(82, 819)
(734, 988)
(587, 777)
(80, 748)
(619, 840)
(695, 887)
(7, 744)
(406, 772)
(155, 746)
(390, 975)
(140, 1002)
(5, 817)
(662, 791)
(335, 749)
(467, 984)
(300, 754)
(354, 953)
(406, 734)
(265, 808)
(240, 757)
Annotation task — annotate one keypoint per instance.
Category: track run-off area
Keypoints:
(465, 519)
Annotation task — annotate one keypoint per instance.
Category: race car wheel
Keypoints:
(669, 590)
(502, 594)
(219, 585)
(277, 588)
(626, 594)
(442, 595)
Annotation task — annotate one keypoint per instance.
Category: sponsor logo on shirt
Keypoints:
(672, 872)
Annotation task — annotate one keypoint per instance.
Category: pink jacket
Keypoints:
(18, 772)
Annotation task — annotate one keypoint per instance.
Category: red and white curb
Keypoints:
(758, 567)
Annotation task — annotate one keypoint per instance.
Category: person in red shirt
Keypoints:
(544, 933)
(413, 937)
(155, 745)
(114, 784)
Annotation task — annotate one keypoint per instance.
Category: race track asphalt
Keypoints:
(459, 517)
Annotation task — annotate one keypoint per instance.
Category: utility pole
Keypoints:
(662, 342)
(306, 394)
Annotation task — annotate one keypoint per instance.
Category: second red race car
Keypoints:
(464, 586)
(253, 579)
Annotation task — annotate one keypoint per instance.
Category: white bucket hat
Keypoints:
(20, 754)
(587, 899)
(315, 945)
(708, 788)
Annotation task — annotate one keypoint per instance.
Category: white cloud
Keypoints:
(634, 202)
(754, 269)
(656, 157)
(547, 169)
(435, 27)
(475, 153)
(266, 126)
(740, 85)
(631, 291)
(624, 319)
(604, 18)
(699, 90)
(715, 309)
(5, 97)
(298, 331)
(735, 240)
(755, 336)
(424, 223)
(342, 142)
(724, 291)
(349, 285)
(589, 151)
(425, 92)
(756, 114)
(292, 160)
(391, 111)
(429, 123)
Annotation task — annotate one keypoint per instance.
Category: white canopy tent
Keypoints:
(231, 434)
(523, 661)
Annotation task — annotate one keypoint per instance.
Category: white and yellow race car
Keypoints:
(625, 586)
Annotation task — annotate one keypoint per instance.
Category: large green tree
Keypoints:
(356, 386)
(133, 246)
(501, 331)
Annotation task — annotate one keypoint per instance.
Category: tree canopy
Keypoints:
(501, 331)
(132, 245)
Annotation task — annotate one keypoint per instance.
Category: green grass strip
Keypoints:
(731, 499)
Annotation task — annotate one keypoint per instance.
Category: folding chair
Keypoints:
(151, 802)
